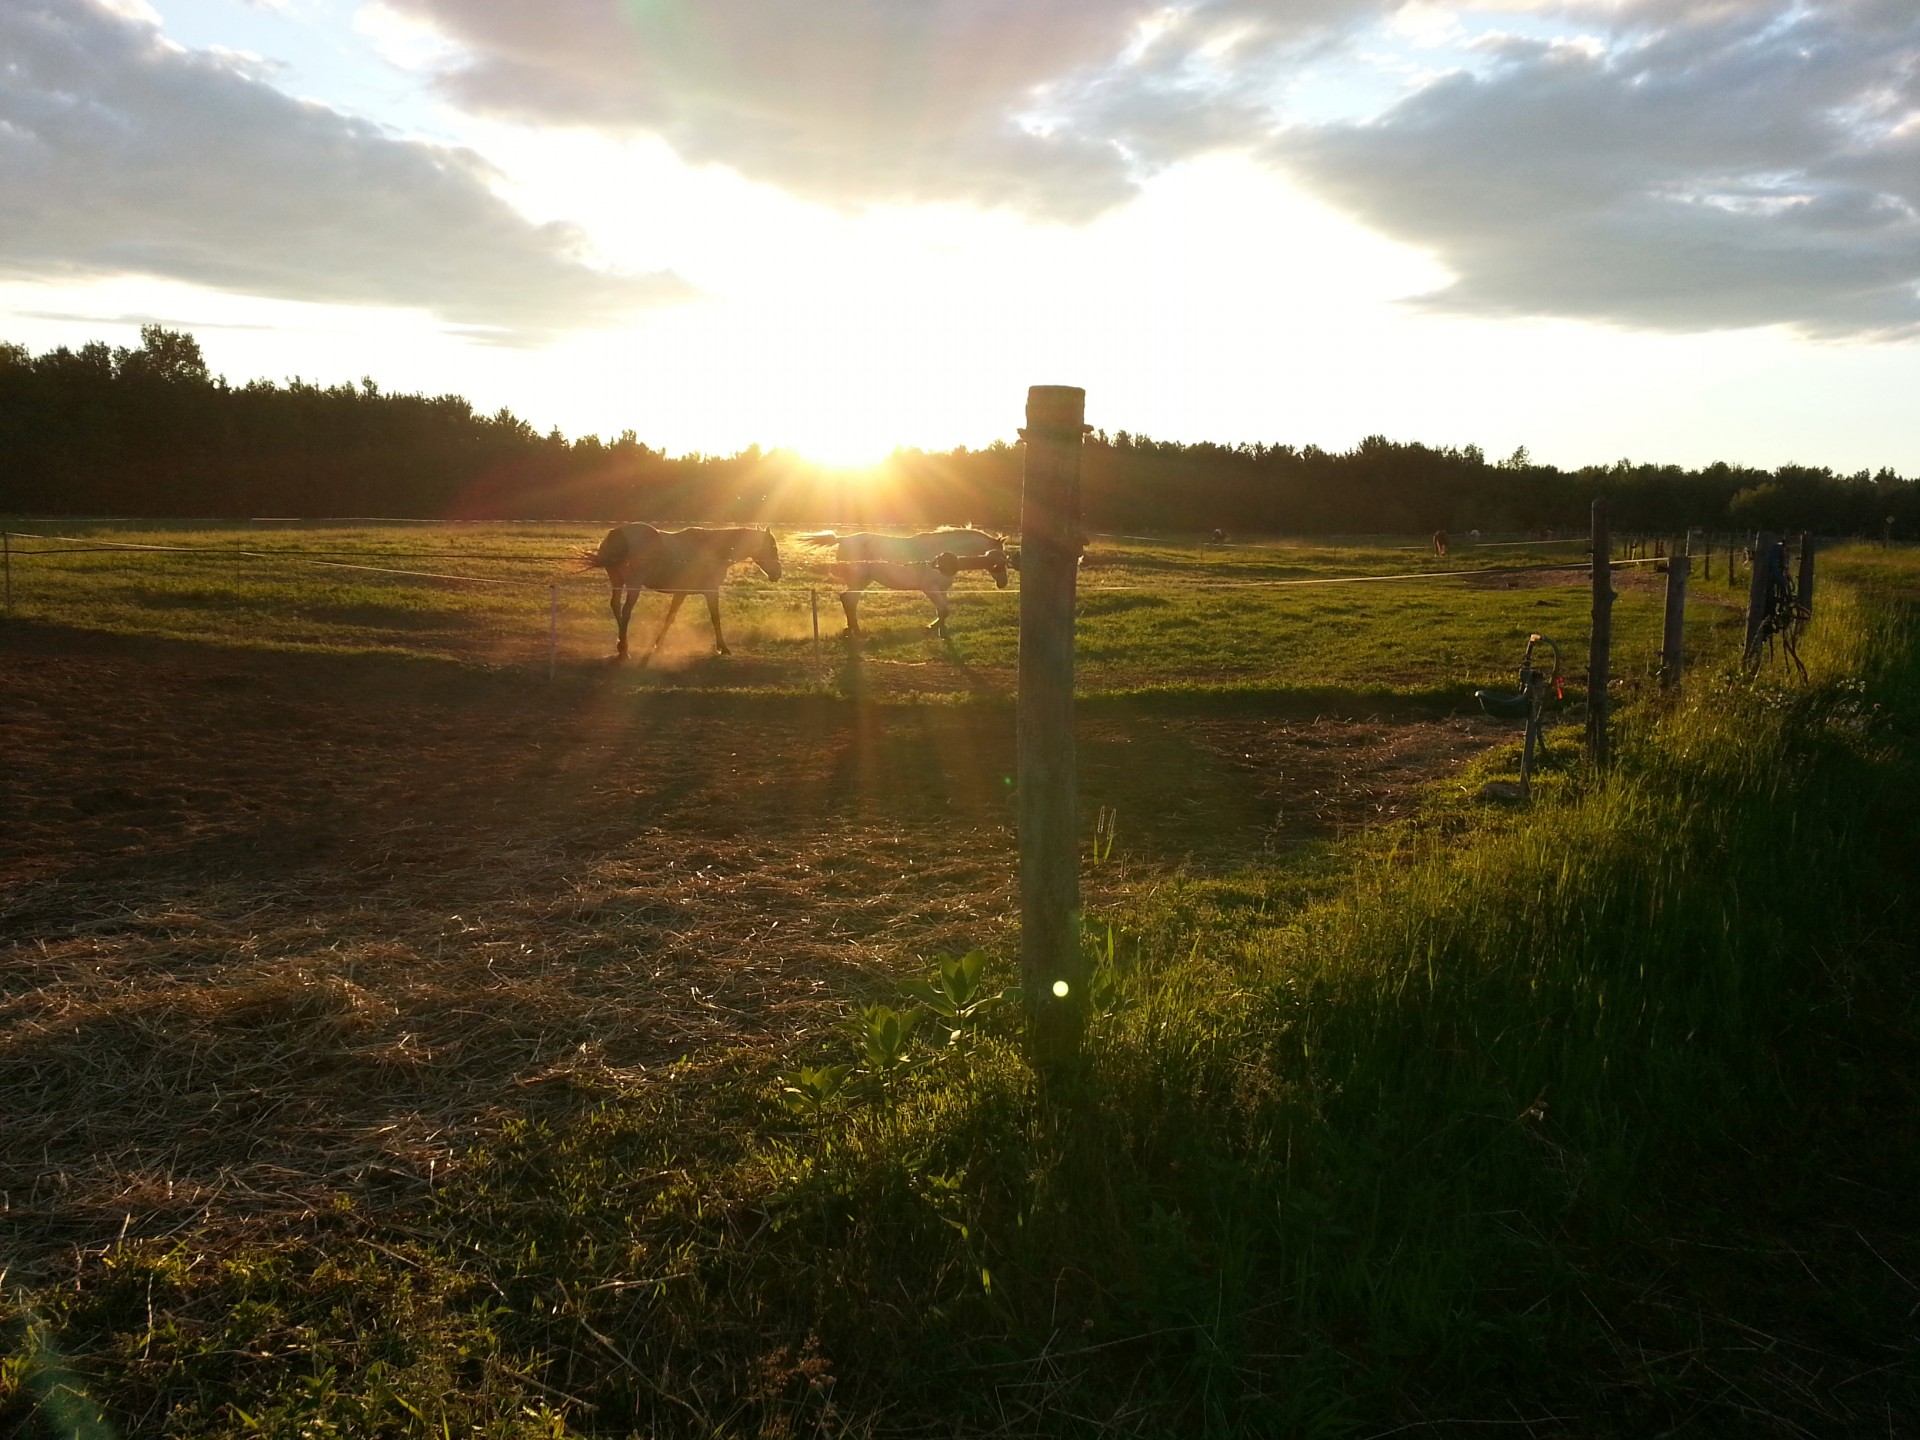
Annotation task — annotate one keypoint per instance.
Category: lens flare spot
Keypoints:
(1060, 988)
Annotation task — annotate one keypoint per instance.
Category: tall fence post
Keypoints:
(1053, 967)
(1762, 570)
(1600, 649)
(813, 599)
(1805, 587)
(1674, 640)
(553, 631)
(6, 549)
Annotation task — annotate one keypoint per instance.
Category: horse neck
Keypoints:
(747, 544)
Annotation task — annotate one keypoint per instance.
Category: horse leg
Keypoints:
(850, 602)
(713, 614)
(621, 615)
(939, 599)
(673, 609)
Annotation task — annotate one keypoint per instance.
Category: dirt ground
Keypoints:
(276, 927)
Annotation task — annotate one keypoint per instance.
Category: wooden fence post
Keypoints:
(1805, 587)
(1053, 968)
(1599, 653)
(1763, 561)
(1673, 642)
(6, 547)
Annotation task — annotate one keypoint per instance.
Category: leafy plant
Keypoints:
(883, 1039)
(811, 1088)
(956, 996)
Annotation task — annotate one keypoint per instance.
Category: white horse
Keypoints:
(932, 578)
(926, 562)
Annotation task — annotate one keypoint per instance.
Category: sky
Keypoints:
(1668, 230)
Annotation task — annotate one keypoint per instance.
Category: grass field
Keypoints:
(1153, 617)
(401, 1047)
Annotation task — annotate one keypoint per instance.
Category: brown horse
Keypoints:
(678, 563)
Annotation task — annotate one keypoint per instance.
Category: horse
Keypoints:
(932, 578)
(904, 562)
(680, 562)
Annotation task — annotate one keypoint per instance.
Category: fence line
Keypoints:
(1358, 579)
(80, 545)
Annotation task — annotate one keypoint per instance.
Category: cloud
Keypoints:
(1055, 109)
(1712, 166)
(1674, 164)
(123, 154)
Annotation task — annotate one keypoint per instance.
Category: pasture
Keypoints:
(394, 1041)
(1154, 616)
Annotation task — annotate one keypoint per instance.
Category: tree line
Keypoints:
(151, 432)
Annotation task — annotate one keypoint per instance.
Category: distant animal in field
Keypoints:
(907, 562)
(932, 578)
(678, 563)
(1219, 536)
(1439, 542)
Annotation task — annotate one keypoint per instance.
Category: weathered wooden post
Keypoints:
(1673, 641)
(1805, 587)
(813, 599)
(1599, 653)
(1764, 560)
(6, 549)
(1053, 968)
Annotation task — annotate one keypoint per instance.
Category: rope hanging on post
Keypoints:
(1780, 615)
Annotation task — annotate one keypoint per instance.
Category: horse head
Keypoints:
(997, 564)
(766, 555)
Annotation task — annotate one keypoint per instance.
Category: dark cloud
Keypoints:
(122, 154)
(1703, 167)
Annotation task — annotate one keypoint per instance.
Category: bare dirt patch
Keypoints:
(279, 927)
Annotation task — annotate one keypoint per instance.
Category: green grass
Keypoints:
(1153, 617)
(1592, 1119)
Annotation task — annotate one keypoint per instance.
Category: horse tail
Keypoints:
(819, 537)
(609, 556)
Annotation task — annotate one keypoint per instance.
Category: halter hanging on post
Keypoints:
(1526, 703)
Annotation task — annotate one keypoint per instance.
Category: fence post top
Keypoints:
(1057, 408)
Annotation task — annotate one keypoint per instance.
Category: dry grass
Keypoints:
(280, 929)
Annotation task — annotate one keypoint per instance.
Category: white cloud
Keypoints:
(1678, 164)
(1054, 109)
(1741, 165)
(124, 154)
